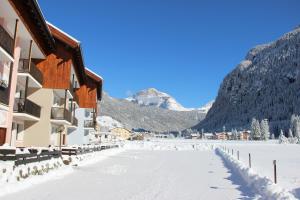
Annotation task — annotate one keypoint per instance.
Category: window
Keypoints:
(87, 113)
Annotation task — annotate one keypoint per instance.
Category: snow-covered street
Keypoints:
(145, 174)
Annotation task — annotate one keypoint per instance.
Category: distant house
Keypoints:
(244, 135)
(195, 136)
(121, 133)
(208, 136)
(221, 136)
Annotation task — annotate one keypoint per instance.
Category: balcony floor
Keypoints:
(24, 117)
(60, 122)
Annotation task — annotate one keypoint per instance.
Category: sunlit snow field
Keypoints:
(163, 169)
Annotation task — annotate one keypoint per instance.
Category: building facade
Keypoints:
(89, 95)
(21, 41)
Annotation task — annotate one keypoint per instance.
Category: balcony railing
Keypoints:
(59, 113)
(89, 124)
(32, 70)
(26, 106)
(6, 41)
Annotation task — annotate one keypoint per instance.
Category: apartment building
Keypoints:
(21, 42)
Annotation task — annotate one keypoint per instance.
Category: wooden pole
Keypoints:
(249, 160)
(29, 56)
(231, 151)
(238, 155)
(275, 171)
(15, 35)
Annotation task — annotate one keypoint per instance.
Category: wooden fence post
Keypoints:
(238, 155)
(275, 171)
(249, 160)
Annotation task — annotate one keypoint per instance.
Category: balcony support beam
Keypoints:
(15, 35)
(65, 103)
(30, 55)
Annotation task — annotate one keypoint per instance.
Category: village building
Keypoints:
(121, 133)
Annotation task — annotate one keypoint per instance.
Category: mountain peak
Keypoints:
(154, 97)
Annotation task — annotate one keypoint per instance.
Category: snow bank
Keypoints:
(168, 145)
(261, 185)
(13, 179)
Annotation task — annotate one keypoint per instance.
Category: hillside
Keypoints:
(152, 118)
(266, 84)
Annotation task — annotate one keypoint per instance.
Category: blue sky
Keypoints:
(182, 47)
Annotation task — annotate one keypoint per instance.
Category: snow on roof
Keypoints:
(94, 73)
(71, 37)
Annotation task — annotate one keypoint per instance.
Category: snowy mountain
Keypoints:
(264, 85)
(152, 118)
(153, 97)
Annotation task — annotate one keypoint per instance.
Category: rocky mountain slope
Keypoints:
(152, 118)
(264, 85)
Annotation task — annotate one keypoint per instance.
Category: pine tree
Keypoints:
(255, 130)
(272, 136)
(265, 130)
(290, 137)
(295, 127)
(282, 138)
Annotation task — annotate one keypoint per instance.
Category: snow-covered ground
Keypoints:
(145, 174)
(176, 169)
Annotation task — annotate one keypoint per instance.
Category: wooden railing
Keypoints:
(6, 41)
(22, 159)
(84, 150)
(32, 70)
(22, 105)
(59, 113)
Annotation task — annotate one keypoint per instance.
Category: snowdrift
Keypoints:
(261, 185)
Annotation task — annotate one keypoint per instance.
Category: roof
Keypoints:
(30, 12)
(74, 44)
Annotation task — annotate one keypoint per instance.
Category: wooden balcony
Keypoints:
(31, 69)
(26, 106)
(6, 41)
